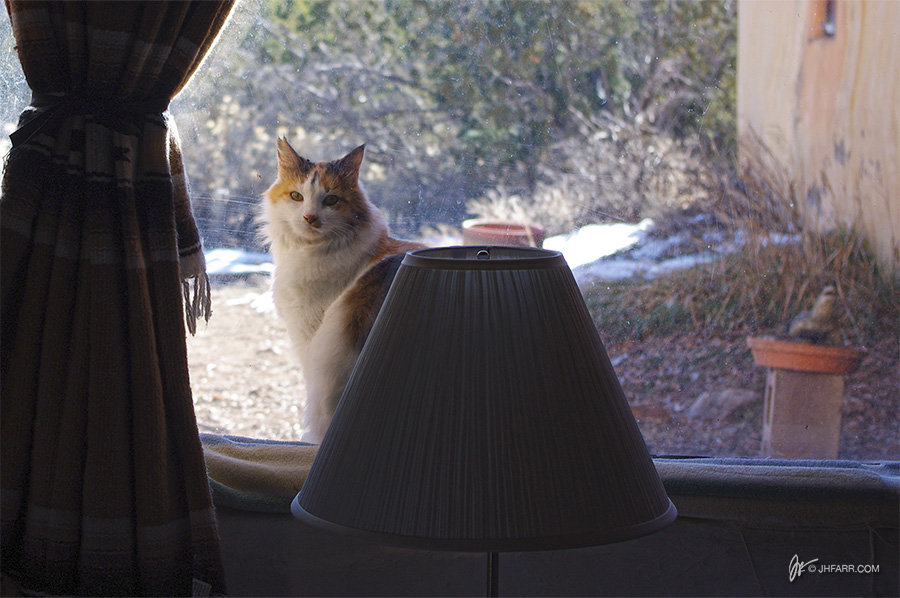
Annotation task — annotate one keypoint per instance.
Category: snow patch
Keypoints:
(237, 261)
(618, 251)
(595, 241)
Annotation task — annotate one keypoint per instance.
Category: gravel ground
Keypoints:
(243, 376)
(245, 384)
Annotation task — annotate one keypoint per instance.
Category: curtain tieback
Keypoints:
(121, 116)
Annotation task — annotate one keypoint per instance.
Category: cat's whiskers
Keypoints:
(343, 231)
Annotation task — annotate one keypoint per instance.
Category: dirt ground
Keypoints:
(245, 384)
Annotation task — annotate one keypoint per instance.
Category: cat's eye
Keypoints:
(331, 200)
(295, 195)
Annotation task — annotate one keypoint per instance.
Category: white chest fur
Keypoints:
(305, 285)
(310, 277)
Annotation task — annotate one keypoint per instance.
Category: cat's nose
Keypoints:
(311, 218)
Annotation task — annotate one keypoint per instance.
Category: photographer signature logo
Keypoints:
(797, 567)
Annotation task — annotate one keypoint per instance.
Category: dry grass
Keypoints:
(757, 291)
(783, 265)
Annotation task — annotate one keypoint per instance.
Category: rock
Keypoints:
(650, 411)
(718, 404)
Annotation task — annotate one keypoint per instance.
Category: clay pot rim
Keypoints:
(489, 225)
(805, 357)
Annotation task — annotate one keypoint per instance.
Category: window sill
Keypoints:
(265, 476)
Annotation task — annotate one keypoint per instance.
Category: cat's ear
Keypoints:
(290, 161)
(349, 164)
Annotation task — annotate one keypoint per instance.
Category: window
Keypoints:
(13, 88)
(611, 126)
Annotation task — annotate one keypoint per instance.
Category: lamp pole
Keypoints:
(493, 574)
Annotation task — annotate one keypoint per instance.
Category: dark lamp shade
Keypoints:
(483, 414)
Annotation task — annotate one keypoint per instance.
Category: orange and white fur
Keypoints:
(332, 251)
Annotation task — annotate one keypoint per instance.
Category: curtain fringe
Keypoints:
(200, 589)
(197, 300)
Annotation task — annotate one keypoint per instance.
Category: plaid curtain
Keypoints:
(104, 489)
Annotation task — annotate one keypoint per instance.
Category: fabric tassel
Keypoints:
(191, 262)
(197, 300)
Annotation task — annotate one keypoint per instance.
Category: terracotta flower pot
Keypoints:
(805, 357)
(479, 231)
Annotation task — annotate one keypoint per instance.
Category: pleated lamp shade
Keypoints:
(484, 415)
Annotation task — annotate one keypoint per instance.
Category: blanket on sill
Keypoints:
(256, 475)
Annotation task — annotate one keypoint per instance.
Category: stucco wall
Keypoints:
(827, 108)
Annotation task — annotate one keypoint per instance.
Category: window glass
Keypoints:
(609, 128)
(13, 88)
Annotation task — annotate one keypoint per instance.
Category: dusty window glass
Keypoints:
(604, 130)
(13, 88)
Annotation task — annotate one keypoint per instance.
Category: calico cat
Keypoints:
(334, 261)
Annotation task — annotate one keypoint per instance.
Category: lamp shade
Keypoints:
(483, 414)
